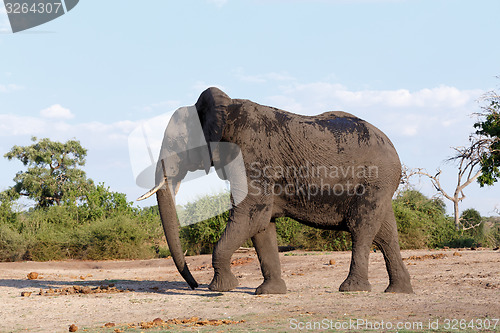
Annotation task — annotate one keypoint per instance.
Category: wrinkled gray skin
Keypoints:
(271, 137)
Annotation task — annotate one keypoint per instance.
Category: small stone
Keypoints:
(86, 290)
(73, 328)
(26, 294)
(158, 321)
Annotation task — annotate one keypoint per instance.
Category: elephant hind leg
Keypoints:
(363, 226)
(387, 240)
(266, 245)
(357, 280)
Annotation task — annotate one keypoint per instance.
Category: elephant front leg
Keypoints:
(232, 238)
(266, 245)
(247, 219)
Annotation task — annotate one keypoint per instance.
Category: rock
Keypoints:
(158, 321)
(33, 276)
(26, 294)
(108, 325)
(73, 328)
(332, 262)
(86, 290)
(456, 254)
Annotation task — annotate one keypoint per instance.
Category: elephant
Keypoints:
(331, 171)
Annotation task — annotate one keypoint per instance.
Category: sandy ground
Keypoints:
(457, 285)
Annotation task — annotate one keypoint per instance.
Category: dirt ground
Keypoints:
(454, 291)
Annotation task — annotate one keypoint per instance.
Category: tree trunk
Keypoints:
(457, 216)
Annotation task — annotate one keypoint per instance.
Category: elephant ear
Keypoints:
(212, 111)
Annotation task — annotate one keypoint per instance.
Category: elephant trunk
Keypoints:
(171, 228)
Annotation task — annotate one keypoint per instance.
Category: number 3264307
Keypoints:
(35, 8)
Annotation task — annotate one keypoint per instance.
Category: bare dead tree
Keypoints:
(468, 159)
(405, 183)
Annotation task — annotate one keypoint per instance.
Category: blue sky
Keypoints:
(413, 68)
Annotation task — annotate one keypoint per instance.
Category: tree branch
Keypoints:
(471, 227)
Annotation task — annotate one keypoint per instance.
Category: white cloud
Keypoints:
(336, 94)
(400, 111)
(12, 125)
(56, 111)
(7, 88)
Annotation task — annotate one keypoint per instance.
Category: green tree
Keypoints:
(6, 212)
(471, 218)
(421, 221)
(100, 202)
(488, 129)
(53, 175)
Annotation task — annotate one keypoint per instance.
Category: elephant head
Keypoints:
(192, 142)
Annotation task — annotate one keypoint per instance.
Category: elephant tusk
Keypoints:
(152, 191)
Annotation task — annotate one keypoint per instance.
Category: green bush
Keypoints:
(113, 238)
(49, 243)
(200, 238)
(293, 233)
(119, 231)
(12, 244)
(421, 221)
(58, 232)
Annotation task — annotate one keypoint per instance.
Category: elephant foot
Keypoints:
(275, 286)
(402, 287)
(223, 283)
(355, 284)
